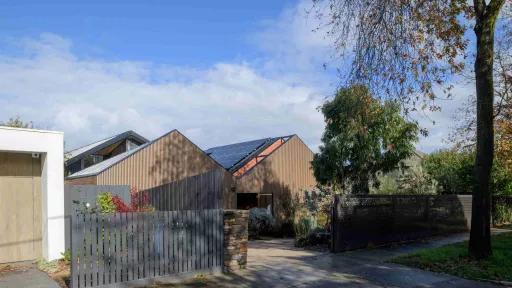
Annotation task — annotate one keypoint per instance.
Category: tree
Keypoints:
(362, 136)
(16, 122)
(408, 50)
(452, 170)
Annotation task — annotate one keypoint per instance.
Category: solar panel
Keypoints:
(229, 155)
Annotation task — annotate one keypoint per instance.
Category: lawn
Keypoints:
(453, 259)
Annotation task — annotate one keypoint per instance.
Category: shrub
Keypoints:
(108, 203)
(453, 171)
(502, 214)
(307, 227)
(66, 256)
(261, 222)
(105, 203)
(140, 201)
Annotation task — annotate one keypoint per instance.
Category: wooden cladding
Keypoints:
(200, 192)
(287, 168)
(91, 180)
(283, 174)
(170, 158)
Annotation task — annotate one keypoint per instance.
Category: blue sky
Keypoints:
(190, 33)
(219, 71)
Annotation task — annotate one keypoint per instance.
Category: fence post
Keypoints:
(335, 238)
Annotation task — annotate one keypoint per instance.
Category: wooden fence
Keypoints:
(203, 191)
(110, 249)
(360, 221)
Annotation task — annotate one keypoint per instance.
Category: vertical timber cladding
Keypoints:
(170, 158)
(20, 207)
(284, 173)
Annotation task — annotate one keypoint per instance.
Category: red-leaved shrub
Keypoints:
(120, 205)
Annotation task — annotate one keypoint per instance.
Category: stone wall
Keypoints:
(236, 236)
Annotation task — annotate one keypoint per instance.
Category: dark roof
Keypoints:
(234, 156)
(79, 153)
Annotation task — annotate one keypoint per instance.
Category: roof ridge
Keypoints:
(241, 142)
(69, 151)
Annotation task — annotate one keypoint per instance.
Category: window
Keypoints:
(246, 201)
(130, 145)
(92, 159)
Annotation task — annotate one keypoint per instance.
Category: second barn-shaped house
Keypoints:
(167, 159)
(268, 172)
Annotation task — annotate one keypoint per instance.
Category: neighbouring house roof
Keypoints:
(104, 165)
(78, 153)
(234, 156)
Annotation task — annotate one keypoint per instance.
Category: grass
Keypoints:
(453, 259)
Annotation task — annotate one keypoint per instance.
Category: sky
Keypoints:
(218, 71)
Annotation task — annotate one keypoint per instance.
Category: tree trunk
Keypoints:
(480, 237)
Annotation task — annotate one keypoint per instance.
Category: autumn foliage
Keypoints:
(140, 202)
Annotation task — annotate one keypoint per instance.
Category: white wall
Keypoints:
(51, 145)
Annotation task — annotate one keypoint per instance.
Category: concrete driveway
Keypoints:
(27, 277)
(277, 263)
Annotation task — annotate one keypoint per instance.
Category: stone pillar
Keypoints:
(236, 236)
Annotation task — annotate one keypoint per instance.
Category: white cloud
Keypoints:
(92, 99)
(278, 94)
(441, 123)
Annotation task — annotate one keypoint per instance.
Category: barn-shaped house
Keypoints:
(169, 158)
(268, 172)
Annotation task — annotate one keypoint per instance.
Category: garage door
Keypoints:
(20, 207)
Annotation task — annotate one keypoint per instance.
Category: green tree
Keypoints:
(362, 136)
(452, 170)
(16, 122)
(408, 50)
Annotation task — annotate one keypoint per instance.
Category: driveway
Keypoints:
(277, 263)
(26, 277)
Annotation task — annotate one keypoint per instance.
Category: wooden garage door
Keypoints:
(20, 207)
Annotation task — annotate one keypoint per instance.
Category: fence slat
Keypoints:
(145, 242)
(83, 259)
(75, 236)
(140, 246)
(94, 248)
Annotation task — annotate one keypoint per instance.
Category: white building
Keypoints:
(31, 194)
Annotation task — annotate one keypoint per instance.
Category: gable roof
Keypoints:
(79, 153)
(100, 167)
(234, 156)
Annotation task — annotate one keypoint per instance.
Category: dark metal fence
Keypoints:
(110, 249)
(361, 221)
(203, 191)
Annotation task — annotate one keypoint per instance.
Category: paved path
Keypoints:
(28, 277)
(276, 263)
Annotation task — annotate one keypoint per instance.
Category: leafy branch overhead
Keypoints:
(400, 49)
